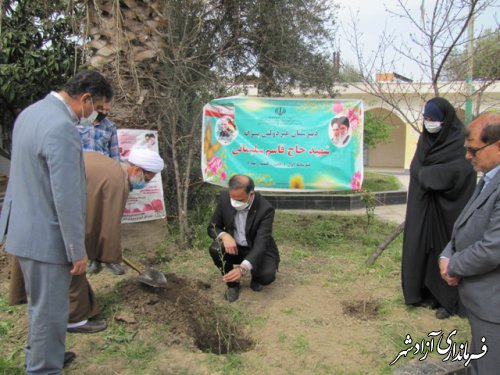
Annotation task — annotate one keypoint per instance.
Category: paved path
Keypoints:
(393, 213)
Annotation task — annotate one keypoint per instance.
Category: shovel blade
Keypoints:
(153, 278)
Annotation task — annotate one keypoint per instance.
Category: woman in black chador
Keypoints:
(441, 183)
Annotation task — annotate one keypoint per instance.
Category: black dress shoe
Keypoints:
(116, 268)
(255, 286)
(92, 326)
(68, 358)
(232, 293)
(442, 313)
(94, 267)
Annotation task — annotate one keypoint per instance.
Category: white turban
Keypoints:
(146, 159)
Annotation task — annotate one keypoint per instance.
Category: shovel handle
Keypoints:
(131, 265)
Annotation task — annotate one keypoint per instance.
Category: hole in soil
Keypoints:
(361, 309)
(189, 312)
(218, 334)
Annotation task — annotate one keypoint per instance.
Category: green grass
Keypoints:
(8, 309)
(328, 234)
(9, 366)
(109, 303)
(323, 250)
(5, 328)
(11, 359)
(380, 182)
(231, 364)
(282, 338)
(300, 345)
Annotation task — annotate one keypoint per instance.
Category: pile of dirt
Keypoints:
(4, 264)
(189, 312)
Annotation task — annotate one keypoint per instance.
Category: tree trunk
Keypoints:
(387, 241)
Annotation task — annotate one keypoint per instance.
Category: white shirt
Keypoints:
(58, 96)
(490, 176)
(240, 221)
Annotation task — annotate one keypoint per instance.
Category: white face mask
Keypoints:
(91, 118)
(238, 205)
(432, 126)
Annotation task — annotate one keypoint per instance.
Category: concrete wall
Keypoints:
(411, 145)
(391, 154)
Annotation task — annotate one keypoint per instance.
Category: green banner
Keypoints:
(284, 144)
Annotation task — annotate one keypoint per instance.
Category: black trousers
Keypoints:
(264, 272)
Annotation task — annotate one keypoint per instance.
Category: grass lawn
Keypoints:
(327, 312)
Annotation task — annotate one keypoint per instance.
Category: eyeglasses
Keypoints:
(473, 151)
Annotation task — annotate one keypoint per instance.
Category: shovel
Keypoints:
(149, 277)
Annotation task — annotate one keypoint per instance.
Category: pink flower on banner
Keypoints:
(338, 107)
(223, 176)
(147, 207)
(157, 205)
(356, 181)
(353, 119)
(215, 164)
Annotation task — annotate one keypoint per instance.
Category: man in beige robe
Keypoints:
(107, 193)
(108, 186)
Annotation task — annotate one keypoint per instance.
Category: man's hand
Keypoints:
(230, 246)
(232, 276)
(443, 267)
(79, 266)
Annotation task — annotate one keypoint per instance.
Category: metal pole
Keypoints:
(468, 81)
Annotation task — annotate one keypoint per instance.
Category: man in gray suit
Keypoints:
(471, 259)
(43, 214)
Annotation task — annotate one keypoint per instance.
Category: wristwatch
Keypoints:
(243, 270)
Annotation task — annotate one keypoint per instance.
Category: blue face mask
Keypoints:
(137, 185)
(137, 182)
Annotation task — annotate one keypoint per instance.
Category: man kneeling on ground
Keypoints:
(242, 231)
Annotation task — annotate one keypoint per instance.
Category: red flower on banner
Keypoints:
(157, 205)
(154, 205)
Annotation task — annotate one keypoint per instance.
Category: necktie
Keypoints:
(479, 188)
(481, 184)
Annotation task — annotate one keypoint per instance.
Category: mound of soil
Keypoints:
(184, 305)
(4, 264)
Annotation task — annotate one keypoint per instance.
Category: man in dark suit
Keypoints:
(471, 259)
(43, 214)
(242, 231)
